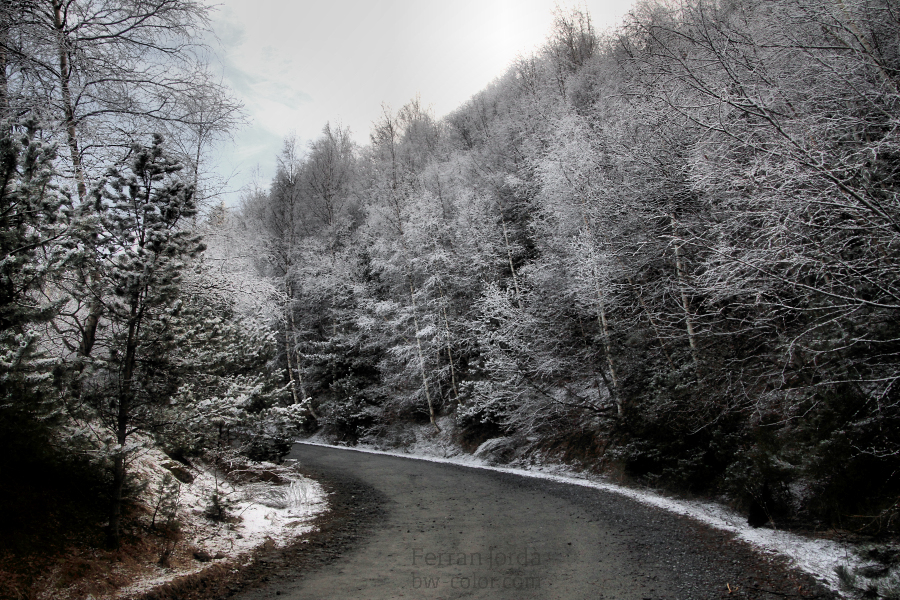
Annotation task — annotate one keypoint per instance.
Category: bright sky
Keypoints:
(297, 65)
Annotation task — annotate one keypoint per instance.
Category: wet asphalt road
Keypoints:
(447, 531)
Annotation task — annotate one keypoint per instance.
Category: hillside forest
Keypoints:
(668, 251)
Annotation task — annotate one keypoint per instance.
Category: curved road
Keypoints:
(449, 531)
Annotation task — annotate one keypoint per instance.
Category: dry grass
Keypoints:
(75, 571)
(294, 496)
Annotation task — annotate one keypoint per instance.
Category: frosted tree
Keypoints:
(100, 74)
(109, 70)
(401, 146)
(34, 248)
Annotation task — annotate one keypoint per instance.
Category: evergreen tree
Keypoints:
(143, 245)
(31, 227)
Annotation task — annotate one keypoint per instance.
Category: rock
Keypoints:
(180, 472)
(202, 555)
(499, 450)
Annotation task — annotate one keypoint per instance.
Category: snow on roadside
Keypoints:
(262, 514)
(817, 557)
(266, 512)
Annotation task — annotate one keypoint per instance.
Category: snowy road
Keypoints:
(457, 532)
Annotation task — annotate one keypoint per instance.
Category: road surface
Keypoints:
(422, 530)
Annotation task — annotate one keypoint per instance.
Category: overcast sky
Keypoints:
(297, 65)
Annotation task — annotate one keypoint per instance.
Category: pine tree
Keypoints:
(30, 222)
(141, 209)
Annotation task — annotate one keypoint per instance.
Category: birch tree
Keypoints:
(107, 70)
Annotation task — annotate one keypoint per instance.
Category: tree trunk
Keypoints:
(613, 385)
(449, 354)
(512, 267)
(88, 339)
(333, 293)
(287, 341)
(688, 318)
(412, 299)
(303, 396)
(5, 18)
(290, 367)
(89, 332)
(114, 534)
(607, 347)
(123, 421)
(68, 106)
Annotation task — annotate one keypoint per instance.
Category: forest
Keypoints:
(668, 251)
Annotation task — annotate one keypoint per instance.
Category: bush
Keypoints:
(271, 447)
(349, 418)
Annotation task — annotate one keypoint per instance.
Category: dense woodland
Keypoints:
(669, 251)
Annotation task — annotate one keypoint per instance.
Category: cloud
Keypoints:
(298, 65)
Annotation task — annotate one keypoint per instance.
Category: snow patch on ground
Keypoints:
(265, 512)
(261, 514)
(817, 557)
